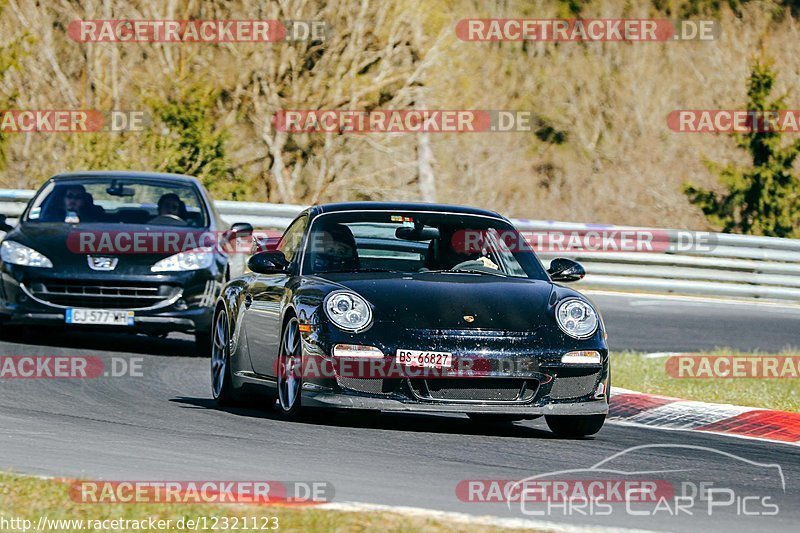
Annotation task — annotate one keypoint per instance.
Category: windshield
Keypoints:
(118, 201)
(415, 242)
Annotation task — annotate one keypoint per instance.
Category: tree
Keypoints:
(189, 141)
(9, 55)
(764, 198)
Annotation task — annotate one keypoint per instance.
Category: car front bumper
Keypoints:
(180, 301)
(515, 373)
(594, 406)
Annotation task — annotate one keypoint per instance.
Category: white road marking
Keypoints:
(484, 520)
(659, 355)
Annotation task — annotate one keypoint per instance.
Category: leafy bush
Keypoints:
(186, 137)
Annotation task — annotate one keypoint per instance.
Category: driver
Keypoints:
(76, 205)
(74, 198)
(334, 248)
(171, 204)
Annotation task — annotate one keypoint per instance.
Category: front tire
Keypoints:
(574, 427)
(221, 378)
(289, 377)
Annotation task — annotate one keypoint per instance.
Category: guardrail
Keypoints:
(735, 266)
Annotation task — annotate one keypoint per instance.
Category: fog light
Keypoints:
(357, 351)
(180, 305)
(584, 357)
(601, 390)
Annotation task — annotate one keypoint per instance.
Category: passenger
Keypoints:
(170, 204)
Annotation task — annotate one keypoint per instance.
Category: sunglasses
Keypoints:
(76, 196)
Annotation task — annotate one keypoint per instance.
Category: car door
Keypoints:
(263, 302)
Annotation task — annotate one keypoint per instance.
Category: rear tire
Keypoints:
(574, 427)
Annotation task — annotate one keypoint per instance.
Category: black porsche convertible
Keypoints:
(412, 307)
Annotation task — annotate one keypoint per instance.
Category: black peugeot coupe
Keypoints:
(412, 307)
(135, 251)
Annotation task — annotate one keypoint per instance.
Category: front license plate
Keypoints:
(109, 317)
(421, 358)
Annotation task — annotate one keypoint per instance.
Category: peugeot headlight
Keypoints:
(17, 254)
(348, 311)
(196, 259)
(576, 318)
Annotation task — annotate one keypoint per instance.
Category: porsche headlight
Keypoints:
(197, 259)
(576, 318)
(17, 254)
(348, 311)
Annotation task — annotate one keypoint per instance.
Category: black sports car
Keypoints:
(412, 307)
(128, 250)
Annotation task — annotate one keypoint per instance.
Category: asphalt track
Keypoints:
(163, 426)
(673, 324)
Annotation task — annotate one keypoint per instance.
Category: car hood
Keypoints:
(59, 242)
(443, 301)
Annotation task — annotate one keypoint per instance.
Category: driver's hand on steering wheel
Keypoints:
(488, 263)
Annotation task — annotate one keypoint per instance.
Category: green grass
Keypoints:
(632, 371)
(30, 497)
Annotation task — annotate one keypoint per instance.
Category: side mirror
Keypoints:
(241, 229)
(5, 226)
(268, 263)
(565, 270)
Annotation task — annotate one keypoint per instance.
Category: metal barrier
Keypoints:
(735, 266)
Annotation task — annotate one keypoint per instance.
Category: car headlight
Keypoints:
(17, 254)
(576, 318)
(197, 259)
(348, 311)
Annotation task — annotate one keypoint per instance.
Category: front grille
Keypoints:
(482, 389)
(103, 295)
(384, 387)
(369, 386)
(574, 383)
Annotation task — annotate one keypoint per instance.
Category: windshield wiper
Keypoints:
(467, 271)
(361, 270)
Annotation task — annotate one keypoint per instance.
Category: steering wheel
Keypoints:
(471, 263)
(168, 219)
